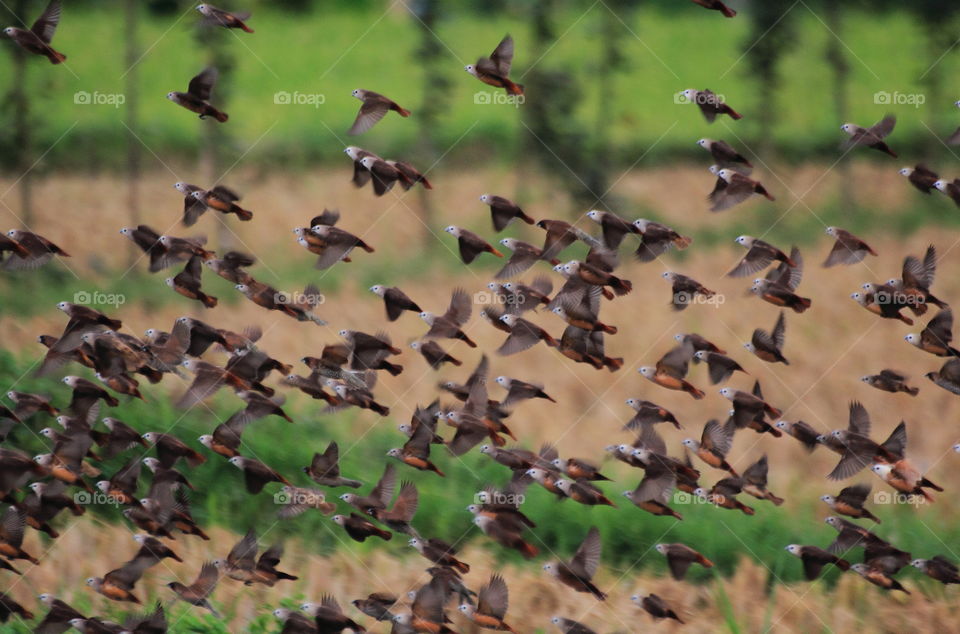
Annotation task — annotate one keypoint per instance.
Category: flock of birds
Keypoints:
(38, 488)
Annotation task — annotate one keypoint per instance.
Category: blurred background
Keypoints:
(93, 146)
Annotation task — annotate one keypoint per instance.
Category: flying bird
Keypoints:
(37, 39)
(197, 97)
(872, 137)
(213, 16)
(375, 107)
(495, 70)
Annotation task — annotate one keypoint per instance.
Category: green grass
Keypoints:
(331, 52)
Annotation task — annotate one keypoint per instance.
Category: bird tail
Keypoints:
(777, 501)
(621, 286)
(462, 566)
(433, 467)
(610, 330)
(763, 192)
(706, 563)
(495, 252)
(746, 509)
(456, 362)
(242, 214)
(392, 368)
(56, 57)
(683, 242)
(380, 409)
(690, 389)
(403, 112)
(733, 113)
(285, 576)
(528, 550)
(926, 483)
(246, 28)
(207, 605)
(208, 300)
(385, 535)
(912, 391)
(467, 340)
(512, 88)
(612, 364)
(842, 564)
(222, 118)
(728, 13)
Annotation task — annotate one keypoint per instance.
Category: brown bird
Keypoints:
(847, 249)
(471, 245)
(577, 574)
(170, 449)
(719, 366)
(939, 568)
(118, 584)
(435, 355)
(506, 532)
(218, 17)
(871, 137)
(495, 70)
(491, 608)
(410, 175)
(449, 325)
(654, 492)
(890, 381)
(711, 105)
(759, 256)
(329, 617)
(416, 451)
(57, 619)
(680, 557)
(921, 177)
(379, 496)
(325, 469)
(714, 444)
(395, 301)
(187, 283)
(877, 576)
(755, 482)
(524, 256)
(685, 290)
(503, 211)
(948, 377)
(814, 559)
(375, 107)
(256, 475)
(569, 626)
(949, 188)
(359, 529)
(361, 175)
(724, 495)
(377, 605)
(671, 370)
(732, 188)
(334, 245)
(937, 336)
(655, 607)
(12, 525)
(648, 413)
(197, 593)
(583, 492)
(723, 153)
(850, 502)
(197, 97)
(856, 448)
(404, 508)
(768, 346)
(223, 200)
(748, 407)
(383, 174)
(716, 5)
(37, 39)
(596, 276)
(905, 478)
(38, 249)
(297, 500)
(524, 334)
(9, 607)
(439, 552)
(656, 239)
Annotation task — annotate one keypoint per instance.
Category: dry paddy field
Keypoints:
(830, 348)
